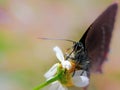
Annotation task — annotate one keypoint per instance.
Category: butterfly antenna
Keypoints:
(57, 39)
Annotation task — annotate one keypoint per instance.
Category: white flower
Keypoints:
(77, 80)
(52, 71)
(57, 86)
(65, 64)
(80, 81)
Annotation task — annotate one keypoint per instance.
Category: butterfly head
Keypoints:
(78, 46)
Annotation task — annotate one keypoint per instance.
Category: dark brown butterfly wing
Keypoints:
(97, 37)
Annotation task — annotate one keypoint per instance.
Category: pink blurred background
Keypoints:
(24, 58)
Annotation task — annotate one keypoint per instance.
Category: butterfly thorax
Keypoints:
(79, 56)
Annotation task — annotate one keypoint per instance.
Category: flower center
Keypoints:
(66, 77)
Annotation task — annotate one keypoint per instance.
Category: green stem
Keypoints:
(56, 77)
(46, 83)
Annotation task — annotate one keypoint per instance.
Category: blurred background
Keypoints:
(24, 58)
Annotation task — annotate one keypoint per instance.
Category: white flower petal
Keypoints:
(51, 72)
(66, 64)
(57, 86)
(80, 81)
(59, 53)
(54, 85)
(61, 87)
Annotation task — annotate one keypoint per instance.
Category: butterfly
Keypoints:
(91, 50)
